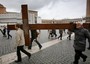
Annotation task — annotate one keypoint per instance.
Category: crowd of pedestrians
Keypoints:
(6, 32)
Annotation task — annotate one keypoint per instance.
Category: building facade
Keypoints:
(15, 17)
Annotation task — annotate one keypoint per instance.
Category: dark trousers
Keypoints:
(21, 48)
(36, 42)
(60, 36)
(4, 34)
(54, 34)
(9, 35)
(50, 34)
(78, 54)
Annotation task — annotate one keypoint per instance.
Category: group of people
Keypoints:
(4, 31)
(81, 34)
(52, 33)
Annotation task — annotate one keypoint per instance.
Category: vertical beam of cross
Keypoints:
(88, 11)
(88, 8)
(25, 24)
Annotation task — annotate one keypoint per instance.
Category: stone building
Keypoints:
(16, 17)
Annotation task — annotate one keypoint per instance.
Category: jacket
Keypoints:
(80, 38)
(20, 37)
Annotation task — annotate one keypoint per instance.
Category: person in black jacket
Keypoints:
(69, 34)
(4, 31)
(61, 34)
(8, 33)
(34, 35)
(54, 32)
(81, 34)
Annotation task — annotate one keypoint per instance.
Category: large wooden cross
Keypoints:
(27, 27)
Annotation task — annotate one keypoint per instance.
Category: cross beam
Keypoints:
(51, 26)
(27, 27)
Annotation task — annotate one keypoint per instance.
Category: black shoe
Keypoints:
(60, 38)
(29, 48)
(40, 47)
(17, 61)
(88, 48)
(84, 59)
(29, 56)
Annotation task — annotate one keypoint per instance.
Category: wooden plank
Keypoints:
(25, 24)
(51, 26)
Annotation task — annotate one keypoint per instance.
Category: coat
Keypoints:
(20, 37)
(80, 38)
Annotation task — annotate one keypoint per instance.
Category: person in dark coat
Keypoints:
(69, 34)
(8, 33)
(50, 33)
(80, 42)
(34, 35)
(61, 33)
(54, 32)
(4, 31)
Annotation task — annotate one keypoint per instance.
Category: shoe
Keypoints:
(88, 48)
(29, 48)
(84, 59)
(60, 38)
(40, 47)
(29, 56)
(17, 61)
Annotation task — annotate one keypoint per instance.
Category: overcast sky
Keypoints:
(49, 9)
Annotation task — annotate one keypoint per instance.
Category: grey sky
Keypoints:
(50, 9)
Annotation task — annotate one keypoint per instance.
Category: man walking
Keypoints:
(34, 35)
(61, 34)
(20, 43)
(80, 42)
(4, 32)
(8, 33)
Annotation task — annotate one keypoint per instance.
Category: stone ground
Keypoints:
(59, 53)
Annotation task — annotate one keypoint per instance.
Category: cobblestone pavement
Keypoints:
(60, 53)
(8, 45)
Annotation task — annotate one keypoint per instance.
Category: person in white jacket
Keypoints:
(20, 42)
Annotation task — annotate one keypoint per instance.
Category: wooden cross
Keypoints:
(27, 27)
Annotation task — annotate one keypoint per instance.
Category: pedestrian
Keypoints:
(61, 33)
(20, 43)
(4, 32)
(54, 32)
(50, 33)
(8, 33)
(80, 42)
(69, 34)
(34, 35)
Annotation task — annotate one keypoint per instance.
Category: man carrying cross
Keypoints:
(80, 42)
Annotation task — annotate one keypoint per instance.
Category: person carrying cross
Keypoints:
(81, 34)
